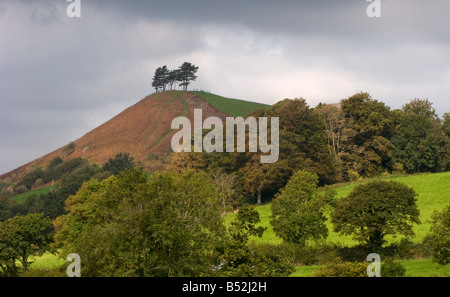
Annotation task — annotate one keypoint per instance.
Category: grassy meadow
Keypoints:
(233, 107)
(22, 197)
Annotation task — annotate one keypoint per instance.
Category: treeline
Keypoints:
(359, 137)
(165, 79)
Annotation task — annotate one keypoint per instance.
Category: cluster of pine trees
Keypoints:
(165, 79)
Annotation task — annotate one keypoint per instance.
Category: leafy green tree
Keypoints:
(375, 209)
(7, 206)
(368, 127)
(298, 211)
(259, 177)
(54, 170)
(238, 259)
(121, 162)
(22, 237)
(420, 143)
(439, 237)
(446, 124)
(303, 139)
(126, 225)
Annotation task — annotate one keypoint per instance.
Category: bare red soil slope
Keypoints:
(142, 130)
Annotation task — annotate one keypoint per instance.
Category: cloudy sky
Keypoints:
(60, 77)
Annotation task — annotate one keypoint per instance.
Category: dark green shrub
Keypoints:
(438, 240)
(343, 269)
(28, 180)
(120, 163)
(389, 268)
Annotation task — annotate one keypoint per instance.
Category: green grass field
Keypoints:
(414, 268)
(22, 197)
(433, 195)
(233, 107)
(433, 191)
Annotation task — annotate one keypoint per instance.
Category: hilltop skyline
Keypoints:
(61, 77)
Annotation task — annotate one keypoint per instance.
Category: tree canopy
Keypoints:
(126, 225)
(375, 209)
(22, 237)
(298, 211)
(164, 78)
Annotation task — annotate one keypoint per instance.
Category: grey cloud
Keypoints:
(55, 70)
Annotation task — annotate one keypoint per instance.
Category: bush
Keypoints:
(120, 163)
(54, 170)
(439, 237)
(353, 175)
(45, 272)
(39, 182)
(29, 179)
(343, 269)
(389, 268)
(20, 189)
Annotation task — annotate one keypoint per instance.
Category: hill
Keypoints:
(142, 130)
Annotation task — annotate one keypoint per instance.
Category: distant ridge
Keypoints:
(142, 130)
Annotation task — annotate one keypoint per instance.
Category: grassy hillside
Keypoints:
(233, 107)
(433, 195)
(22, 197)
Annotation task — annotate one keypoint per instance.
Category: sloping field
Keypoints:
(433, 191)
(233, 107)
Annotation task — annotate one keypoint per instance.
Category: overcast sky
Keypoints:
(60, 77)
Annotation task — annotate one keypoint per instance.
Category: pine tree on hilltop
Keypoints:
(166, 79)
(187, 74)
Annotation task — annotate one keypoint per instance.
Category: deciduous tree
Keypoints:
(22, 237)
(298, 211)
(375, 209)
(420, 143)
(439, 237)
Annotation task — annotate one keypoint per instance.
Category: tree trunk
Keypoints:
(258, 197)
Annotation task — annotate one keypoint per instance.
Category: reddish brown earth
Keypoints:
(142, 130)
